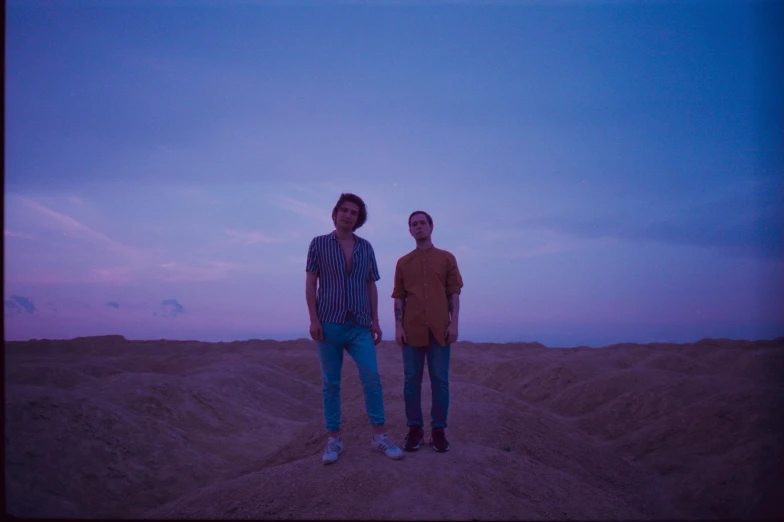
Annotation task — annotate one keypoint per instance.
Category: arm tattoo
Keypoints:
(399, 312)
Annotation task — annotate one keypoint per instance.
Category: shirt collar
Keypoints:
(334, 236)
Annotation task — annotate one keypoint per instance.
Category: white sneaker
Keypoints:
(333, 449)
(385, 445)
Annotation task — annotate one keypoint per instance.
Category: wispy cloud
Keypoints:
(250, 238)
(11, 233)
(115, 275)
(71, 226)
(198, 196)
(315, 190)
(525, 245)
(172, 272)
(740, 222)
(552, 248)
(304, 209)
(76, 200)
(210, 271)
(113, 304)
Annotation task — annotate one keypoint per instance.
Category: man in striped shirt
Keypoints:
(340, 289)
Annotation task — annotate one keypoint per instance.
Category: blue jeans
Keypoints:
(438, 368)
(357, 341)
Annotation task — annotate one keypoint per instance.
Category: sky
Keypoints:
(604, 172)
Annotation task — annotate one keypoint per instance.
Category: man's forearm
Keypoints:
(310, 297)
(400, 306)
(374, 302)
(454, 300)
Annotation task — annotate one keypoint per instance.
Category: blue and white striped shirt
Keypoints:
(338, 290)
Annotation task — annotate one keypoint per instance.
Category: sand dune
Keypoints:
(106, 427)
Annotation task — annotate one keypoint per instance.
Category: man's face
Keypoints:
(419, 227)
(347, 215)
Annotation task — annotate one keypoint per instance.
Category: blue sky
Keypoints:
(603, 171)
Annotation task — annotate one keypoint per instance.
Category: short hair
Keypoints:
(353, 198)
(429, 219)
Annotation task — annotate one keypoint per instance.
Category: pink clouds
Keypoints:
(209, 271)
(318, 214)
(172, 272)
(74, 228)
(11, 233)
(250, 238)
(115, 275)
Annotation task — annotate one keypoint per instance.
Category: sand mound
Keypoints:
(106, 427)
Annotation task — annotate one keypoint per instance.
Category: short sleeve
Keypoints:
(312, 264)
(454, 281)
(399, 290)
(373, 274)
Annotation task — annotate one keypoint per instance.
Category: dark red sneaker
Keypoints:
(414, 438)
(438, 440)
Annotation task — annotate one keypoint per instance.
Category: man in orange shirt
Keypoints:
(427, 303)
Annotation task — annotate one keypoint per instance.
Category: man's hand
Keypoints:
(451, 333)
(400, 337)
(375, 332)
(316, 332)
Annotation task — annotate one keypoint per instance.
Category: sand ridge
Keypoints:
(107, 427)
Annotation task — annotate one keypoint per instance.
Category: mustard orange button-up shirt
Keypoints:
(425, 278)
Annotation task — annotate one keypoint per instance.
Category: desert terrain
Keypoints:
(105, 427)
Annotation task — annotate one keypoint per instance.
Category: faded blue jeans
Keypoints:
(438, 368)
(358, 342)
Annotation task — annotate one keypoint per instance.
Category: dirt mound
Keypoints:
(107, 427)
(529, 465)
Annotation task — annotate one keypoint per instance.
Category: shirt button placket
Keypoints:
(424, 277)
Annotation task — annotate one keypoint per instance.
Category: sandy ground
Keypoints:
(105, 427)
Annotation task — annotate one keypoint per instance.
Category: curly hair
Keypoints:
(353, 198)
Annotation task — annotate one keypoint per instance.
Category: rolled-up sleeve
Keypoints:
(399, 290)
(454, 281)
